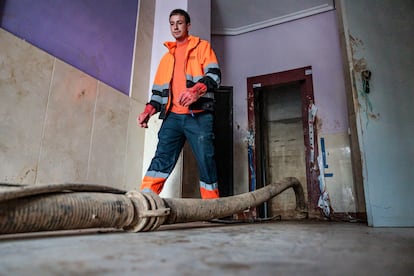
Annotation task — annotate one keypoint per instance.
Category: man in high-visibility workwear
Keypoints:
(183, 93)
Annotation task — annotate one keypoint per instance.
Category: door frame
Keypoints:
(304, 77)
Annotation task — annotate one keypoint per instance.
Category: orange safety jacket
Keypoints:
(200, 66)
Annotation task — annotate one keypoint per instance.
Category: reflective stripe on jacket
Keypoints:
(201, 66)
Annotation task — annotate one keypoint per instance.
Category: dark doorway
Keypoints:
(223, 132)
(278, 117)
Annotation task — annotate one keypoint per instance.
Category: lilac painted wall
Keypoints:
(310, 41)
(95, 36)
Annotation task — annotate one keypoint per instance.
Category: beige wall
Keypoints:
(60, 125)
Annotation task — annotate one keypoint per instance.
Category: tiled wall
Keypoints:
(338, 173)
(95, 36)
(59, 124)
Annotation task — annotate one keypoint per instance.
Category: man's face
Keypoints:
(179, 29)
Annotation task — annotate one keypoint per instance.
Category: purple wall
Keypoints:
(311, 41)
(95, 36)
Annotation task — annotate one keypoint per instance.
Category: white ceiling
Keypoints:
(233, 17)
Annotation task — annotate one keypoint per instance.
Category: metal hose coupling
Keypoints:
(150, 211)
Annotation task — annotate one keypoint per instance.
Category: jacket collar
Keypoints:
(192, 43)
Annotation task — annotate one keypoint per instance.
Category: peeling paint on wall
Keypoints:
(360, 65)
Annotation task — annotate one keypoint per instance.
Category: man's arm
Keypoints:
(211, 79)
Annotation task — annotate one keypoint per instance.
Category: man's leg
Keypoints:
(200, 135)
(170, 142)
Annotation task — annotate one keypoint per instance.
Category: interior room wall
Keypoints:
(96, 37)
(62, 125)
(311, 41)
(381, 41)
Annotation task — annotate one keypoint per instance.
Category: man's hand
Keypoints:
(144, 117)
(192, 94)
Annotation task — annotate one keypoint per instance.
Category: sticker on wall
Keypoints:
(323, 202)
(312, 109)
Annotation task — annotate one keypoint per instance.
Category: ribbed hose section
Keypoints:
(65, 211)
(189, 210)
(33, 209)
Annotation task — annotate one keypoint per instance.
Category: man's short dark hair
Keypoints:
(183, 13)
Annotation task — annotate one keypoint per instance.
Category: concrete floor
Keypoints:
(271, 248)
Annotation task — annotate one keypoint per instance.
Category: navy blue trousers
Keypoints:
(197, 129)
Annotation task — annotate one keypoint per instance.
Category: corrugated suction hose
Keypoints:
(81, 206)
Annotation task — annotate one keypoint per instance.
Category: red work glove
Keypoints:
(192, 94)
(144, 117)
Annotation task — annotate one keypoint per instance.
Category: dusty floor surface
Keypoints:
(271, 248)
